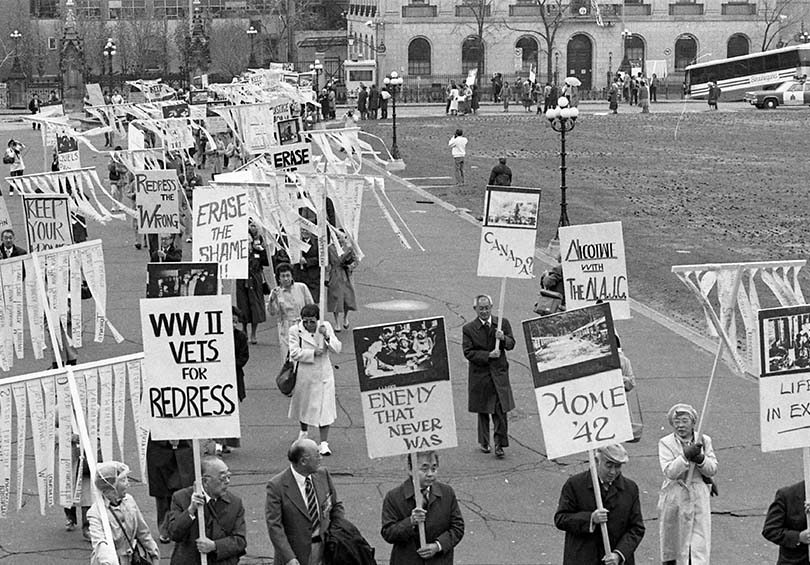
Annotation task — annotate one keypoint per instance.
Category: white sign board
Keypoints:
(47, 221)
(405, 387)
(189, 372)
(509, 232)
(157, 194)
(296, 157)
(594, 268)
(220, 231)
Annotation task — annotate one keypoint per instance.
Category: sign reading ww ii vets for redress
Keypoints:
(47, 221)
(593, 262)
(509, 231)
(577, 380)
(784, 384)
(157, 201)
(220, 231)
(405, 387)
(189, 372)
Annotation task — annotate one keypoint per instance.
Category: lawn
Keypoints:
(689, 188)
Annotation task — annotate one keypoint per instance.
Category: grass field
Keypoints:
(689, 188)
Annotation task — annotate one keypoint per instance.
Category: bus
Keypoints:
(756, 71)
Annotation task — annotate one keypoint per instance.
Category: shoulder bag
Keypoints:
(139, 554)
(285, 381)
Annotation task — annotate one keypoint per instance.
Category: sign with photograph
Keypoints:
(784, 384)
(157, 201)
(289, 131)
(198, 101)
(405, 387)
(47, 221)
(220, 231)
(175, 110)
(67, 152)
(167, 280)
(577, 380)
(593, 262)
(509, 232)
(188, 365)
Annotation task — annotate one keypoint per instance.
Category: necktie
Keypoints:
(425, 497)
(312, 505)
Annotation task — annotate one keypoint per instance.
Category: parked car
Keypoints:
(791, 93)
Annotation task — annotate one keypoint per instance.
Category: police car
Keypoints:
(791, 93)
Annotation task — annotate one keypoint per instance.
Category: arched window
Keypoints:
(634, 51)
(686, 49)
(530, 51)
(419, 57)
(738, 44)
(579, 58)
(472, 50)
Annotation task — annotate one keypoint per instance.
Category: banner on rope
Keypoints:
(47, 221)
(405, 387)
(165, 280)
(220, 231)
(577, 380)
(784, 384)
(189, 371)
(67, 151)
(509, 232)
(594, 267)
(157, 195)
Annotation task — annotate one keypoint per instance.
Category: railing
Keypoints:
(738, 9)
(419, 11)
(686, 9)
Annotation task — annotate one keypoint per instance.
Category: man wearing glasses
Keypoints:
(224, 541)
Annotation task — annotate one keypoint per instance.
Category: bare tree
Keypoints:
(481, 13)
(283, 18)
(138, 41)
(777, 17)
(552, 17)
(230, 49)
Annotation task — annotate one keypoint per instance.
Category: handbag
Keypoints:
(285, 381)
(139, 554)
(548, 302)
(265, 288)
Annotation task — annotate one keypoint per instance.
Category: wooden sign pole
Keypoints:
(417, 494)
(195, 446)
(500, 312)
(597, 492)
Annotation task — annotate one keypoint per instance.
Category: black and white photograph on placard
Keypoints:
(164, 280)
(289, 131)
(785, 340)
(511, 207)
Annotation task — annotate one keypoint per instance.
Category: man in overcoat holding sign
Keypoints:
(490, 394)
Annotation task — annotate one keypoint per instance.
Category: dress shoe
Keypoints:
(484, 448)
(324, 449)
(499, 452)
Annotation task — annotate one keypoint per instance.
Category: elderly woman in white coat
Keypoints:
(684, 513)
(313, 400)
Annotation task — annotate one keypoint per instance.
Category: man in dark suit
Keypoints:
(224, 540)
(301, 501)
(490, 394)
(8, 248)
(580, 519)
(440, 513)
(308, 270)
(167, 252)
(786, 525)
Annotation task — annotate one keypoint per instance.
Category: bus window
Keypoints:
(755, 65)
(771, 62)
(789, 60)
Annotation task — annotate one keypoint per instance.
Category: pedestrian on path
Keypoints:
(33, 107)
(786, 525)
(13, 158)
(644, 97)
(714, 95)
(580, 519)
(340, 297)
(249, 291)
(501, 174)
(684, 512)
(654, 82)
(458, 147)
(286, 301)
(490, 394)
(613, 97)
(505, 96)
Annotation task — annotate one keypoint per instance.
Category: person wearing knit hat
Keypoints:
(129, 530)
(578, 516)
(688, 463)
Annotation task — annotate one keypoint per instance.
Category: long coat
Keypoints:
(487, 378)
(340, 291)
(443, 524)
(169, 469)
(224, 525)
(249, 296)
(784, 522)
(136, 528)
(684, 513)
(625, 524)
(313, 400)
(285, 512)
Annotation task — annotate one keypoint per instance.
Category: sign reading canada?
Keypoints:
(189, 372)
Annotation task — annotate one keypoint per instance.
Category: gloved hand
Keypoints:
(691, 452)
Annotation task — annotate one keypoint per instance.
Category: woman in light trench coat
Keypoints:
(684, 513)
(313, 400)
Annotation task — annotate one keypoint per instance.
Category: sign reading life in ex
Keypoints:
(784, 384)
(577, 380)
(47, 221)
(405, 387)
(189, 372)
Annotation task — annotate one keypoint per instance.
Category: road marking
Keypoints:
(411, 179)
(399, 305)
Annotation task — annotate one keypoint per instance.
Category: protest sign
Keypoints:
(47, 221)
(289, 131)
(197, 104)
(509, 231)
(157, 201)
(784, 384)
(405, 387)
(94, 95)
(593, 262)
(175, 110)
(220, 231)
(188, 367)
(67, 150)
(294, 157)
(577, 379)
(165, 280)
(5, 219)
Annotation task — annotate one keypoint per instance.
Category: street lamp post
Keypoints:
(556, 68)
(626, 35)
(16, 36)
(109, 52)
(393, 83)
(317, 66)
(803, 35)
(610, 69)
(252, 31)
(562, 119)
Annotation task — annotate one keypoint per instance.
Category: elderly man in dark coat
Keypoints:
(580, 519)
(786, 525)
(490, 394)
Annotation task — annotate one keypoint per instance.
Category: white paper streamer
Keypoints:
(21, 407)
(119, 403)
(40, 437)
(140, 419)
(65, 408)
(49, 400)
(75, 311)
(91, 382)
(36, 313)
(105, 421)
(5, 449)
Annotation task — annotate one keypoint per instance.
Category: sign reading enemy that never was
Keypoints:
(508, 233)
(157, 194)
(784, 384)
(405, 387)
(47, 221)
(190, 377)
(594, 267)
(220, 231)
(578, 381)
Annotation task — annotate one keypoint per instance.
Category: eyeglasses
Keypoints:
(224, 476)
